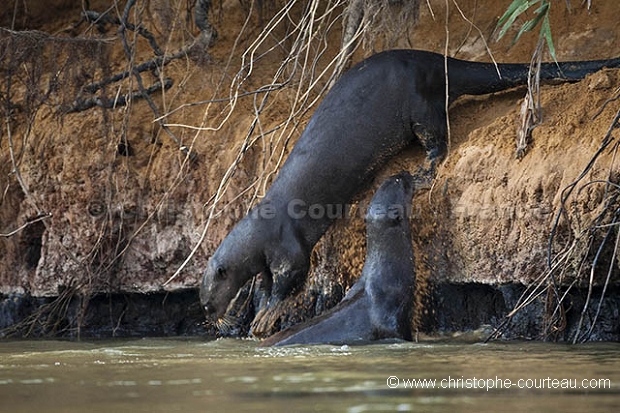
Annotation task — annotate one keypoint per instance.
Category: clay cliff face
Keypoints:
(126, 206)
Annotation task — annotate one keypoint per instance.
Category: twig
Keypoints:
(30, 222)
(152, 64)
(531, 109)
(16, 171)
(97, 18)
(470, 28)
(263, 89)
(138, 77)
(471, 24)
(532, 292)
(568, 190)
(607, 279)
(447, 78)
(84, 104)
(585, 308)
(353, 16)
(304, 32)
(39, 35)
(604, 105)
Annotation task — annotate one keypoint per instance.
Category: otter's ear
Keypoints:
(221, 273)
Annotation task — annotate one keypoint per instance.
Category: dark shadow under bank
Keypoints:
(472, 306)
(103, 316)
(450, 308)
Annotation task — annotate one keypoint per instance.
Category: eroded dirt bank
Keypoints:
(119, 207)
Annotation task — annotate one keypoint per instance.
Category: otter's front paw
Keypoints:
(267, 320)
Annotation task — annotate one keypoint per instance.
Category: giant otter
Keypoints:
(374, 111)
(379, 304)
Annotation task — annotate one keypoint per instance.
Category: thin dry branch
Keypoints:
(309, 30)
(30, 222)
(100, 19)
(531, 109)
(82, 104)
(567, 191)
(561, 263)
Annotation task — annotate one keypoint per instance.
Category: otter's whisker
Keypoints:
(226, 324)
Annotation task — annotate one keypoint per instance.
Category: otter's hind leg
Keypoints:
(434, 141)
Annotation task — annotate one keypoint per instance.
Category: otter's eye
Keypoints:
(221, 272)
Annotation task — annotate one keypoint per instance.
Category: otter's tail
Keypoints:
(475, 78)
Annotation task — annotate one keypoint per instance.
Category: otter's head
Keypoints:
(238, 258)
(391, 203)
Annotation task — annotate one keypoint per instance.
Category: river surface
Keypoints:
(194, 375)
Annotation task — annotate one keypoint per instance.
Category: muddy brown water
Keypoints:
(194, 375)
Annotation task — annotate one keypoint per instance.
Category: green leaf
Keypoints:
(528, 26)
(517, 8)
(541, 12)
(510, 10)
(543, 7)
(545, 30)
(521, 8)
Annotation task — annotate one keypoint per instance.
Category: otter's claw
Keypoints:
(267, 320)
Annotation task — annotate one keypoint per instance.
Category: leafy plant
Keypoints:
(516, 9)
